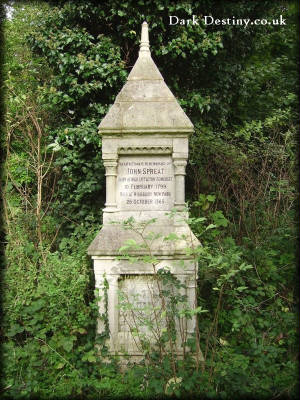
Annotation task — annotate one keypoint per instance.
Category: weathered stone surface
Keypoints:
(145, 104)
(144, 151)
(112, 237)
(153, 116)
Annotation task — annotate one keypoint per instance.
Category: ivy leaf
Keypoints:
(60, 365)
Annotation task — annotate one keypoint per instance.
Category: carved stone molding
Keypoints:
(179, 165)
(110, 167)
(145, 150)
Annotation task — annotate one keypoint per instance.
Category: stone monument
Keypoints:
(144, 150)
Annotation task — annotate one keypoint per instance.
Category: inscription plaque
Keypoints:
(145, 183)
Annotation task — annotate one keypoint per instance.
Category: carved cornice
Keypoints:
(145, 150)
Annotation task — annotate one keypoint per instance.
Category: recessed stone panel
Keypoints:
(138, 296)
(140, 313)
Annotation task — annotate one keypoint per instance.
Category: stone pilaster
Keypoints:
(179, 173)
(181, 324)
(191, 300)
(111, 179)
(112, 310)
(99, 284)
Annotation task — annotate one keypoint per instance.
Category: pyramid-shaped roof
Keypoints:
(145, 104)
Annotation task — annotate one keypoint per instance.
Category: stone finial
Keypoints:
(144, 46)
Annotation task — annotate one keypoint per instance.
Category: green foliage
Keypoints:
(251, 324)
(84, 67)
(64, 64)
(50, 317)
(78, 156)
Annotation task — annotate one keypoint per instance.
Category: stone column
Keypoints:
(111, 177)
(179, 172)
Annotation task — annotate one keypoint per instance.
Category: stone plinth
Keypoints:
(144, 150)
